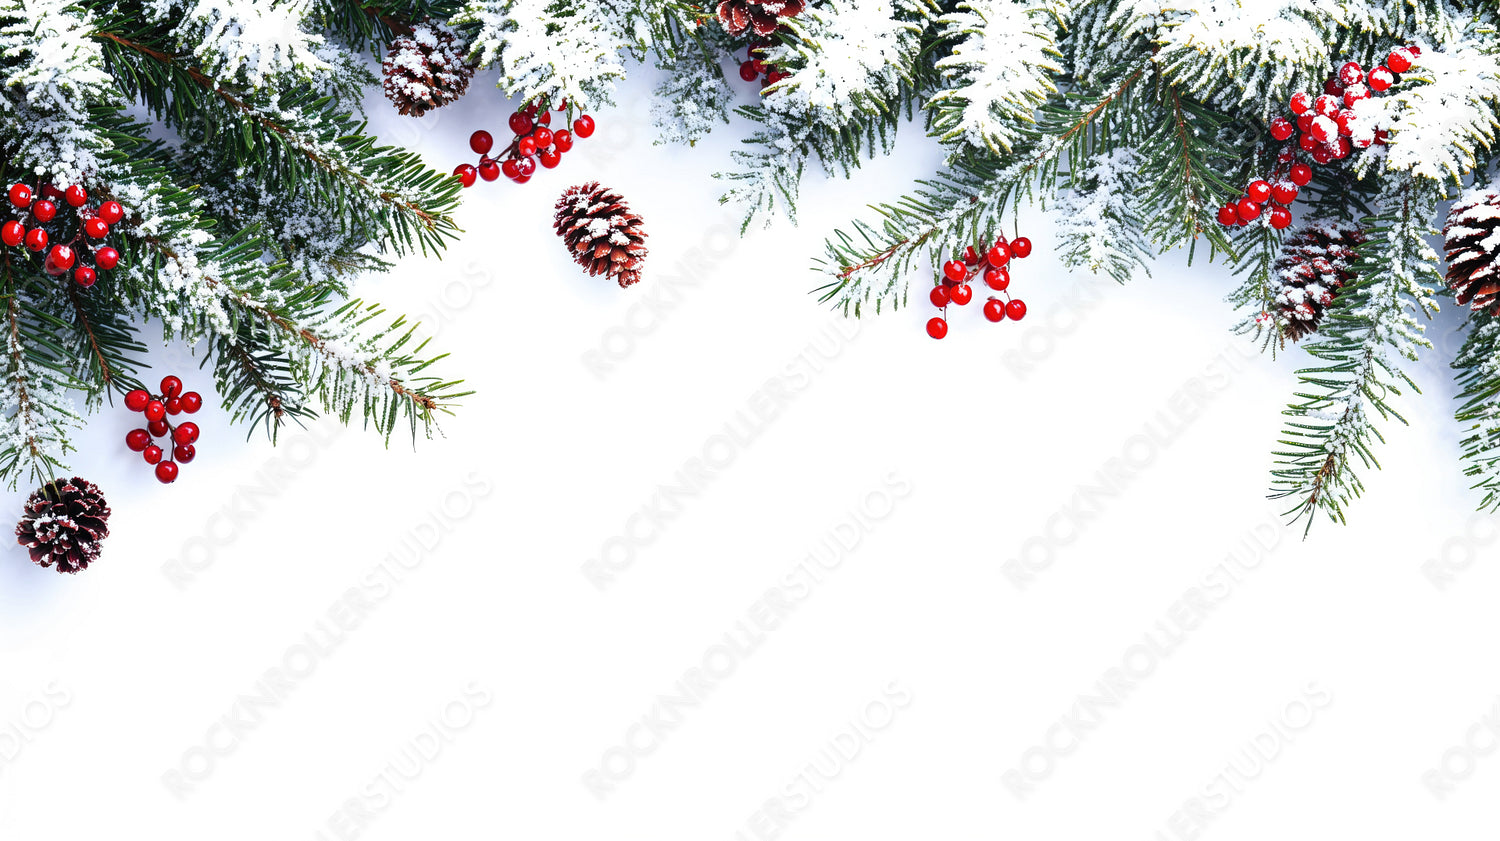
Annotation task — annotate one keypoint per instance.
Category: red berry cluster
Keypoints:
(753, 69)
(180, 437)
(535, 142)
(991, 265)
(74, 234)
(1323, 128)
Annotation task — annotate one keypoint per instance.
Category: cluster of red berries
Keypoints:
(535, 143)
(1324, 128)
(753, 69)
(991, 266)
(73, 234)
(180, 437)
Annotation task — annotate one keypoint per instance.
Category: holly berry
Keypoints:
(997, 279)
(158, 427)
(1258, 191)
(137, 399)
(187, 433)
(999, 255)
(1400, 60)
(955, 271)
(1228, 215)
(184, 453)
(520, 123)
(543, 137)
(526, 147)
(1300, 174)
(545, 119)
(748, 71)
(1324, 130)
(1016, 310)
(36, 239)
(1247, 209)
(466, 173)
(138, 439)
(1021, 247)
(1332, 87)
(59, 260)
(12, 232)
(166, 472)
(107, 257)
(95, 228)
(111, 212)
(550, 158)
(20, 195)
(151, 454)
(174, 405)
(994, 310)
(76, 196)
(481, 142)
(1302, 102)
(84, 276)
(44, 211)
(1381, 79)
(562, 140)
(489, 170)
(1355, 93)
(938, 296)
(961, 294)
(971, 257)
(155, 410)
(583, 126)
(171, 386)
(937, 328)
(1284, 192)
(1328, 105)
(526, 167)
(1280, 217)
(1351, 74)
(1282, 128)
(192, 401)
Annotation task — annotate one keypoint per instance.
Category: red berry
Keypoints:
(971, 257)
(151, 454)
(138, 439)
(994, 309)
(481, 142)
(562, 140)
(522, 179)
(1324, 130)
(1306, 143)
(1021, 247)
(174, 405)
(1247, 209)
(107, 257)
(1351, 74)
(84, 276)
(937, 328)
(583, 126)
(961, 294)
(136, 399)
(1332, 87)
(545, 119)
(36, 239)
(170, 386)
(1016, 310)
(1381, 136)
(186, 433)
(997, 279)
(1228, 215)
(1282, 128)
(1301, 175)
(520, 123)
(20, 195)
(527, 166)
(1304, 122)
(95, 228)
(999, 255)
(192, 401)
(1347, 122)
(12, 232)
(543, 137)
(184, 453)
(467, 174)
(1355, 94)
(510, 168)
(59, 260)
(44, 211)
(938, 296)
(155, 410)
(748, 71)
(1258, 191)
(1302, 102)
(76, 196)
(550, 158)
(1280, 217)
(1285, 192)
(1322, 155)
(158, 427)
(1381, 78)
(955, 270)
(166, 472)
(526, 147)
(1344, 148)
(1328, 105)
(489, 170)
(1286, 156)
(1399, 60)
(1414, 50)
(111, 212)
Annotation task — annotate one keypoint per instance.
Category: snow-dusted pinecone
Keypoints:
(758, 16)
(1472, 236)
(63, 524)
(1314, 265)
(425, 70)
(601, 233)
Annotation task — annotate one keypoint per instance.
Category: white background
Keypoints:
(117, 683)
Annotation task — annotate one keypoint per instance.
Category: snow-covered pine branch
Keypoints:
(558, 49)
(1098, 217)
(248, 41)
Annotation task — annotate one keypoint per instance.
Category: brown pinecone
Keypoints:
(759, 16)
(601, 233)
(1314, 265)
(425, 70)
(1472, 236)
(63, 524)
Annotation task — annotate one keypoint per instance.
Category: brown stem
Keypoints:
(88, 330)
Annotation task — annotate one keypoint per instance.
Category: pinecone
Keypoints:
(739, 16)
(425, 70)
(63, 524)
(601, 233)
(1472, 237)
(1314, 265)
